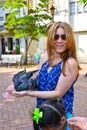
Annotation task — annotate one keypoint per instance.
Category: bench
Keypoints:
(11, 59)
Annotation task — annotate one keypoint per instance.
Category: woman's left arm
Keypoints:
(65, 82)
(63, 85)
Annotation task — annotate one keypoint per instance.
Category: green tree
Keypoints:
(18, 49)
(83, 2)
(30, 26)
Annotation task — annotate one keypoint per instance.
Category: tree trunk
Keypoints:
(25, 55)
(27, 45)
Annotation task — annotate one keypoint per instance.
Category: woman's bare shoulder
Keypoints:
(71, 64)
(72, 61)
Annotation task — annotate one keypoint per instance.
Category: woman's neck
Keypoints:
(54, 59)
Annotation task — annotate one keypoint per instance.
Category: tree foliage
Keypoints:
(31, 25)
(83, 2)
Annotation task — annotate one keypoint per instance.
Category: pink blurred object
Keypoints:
(10, 88)
(7, 94)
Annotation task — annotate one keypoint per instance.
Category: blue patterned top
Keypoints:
(47, 81)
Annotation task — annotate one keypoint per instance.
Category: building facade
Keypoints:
(70, 11)
(78, 20)
(75, 13)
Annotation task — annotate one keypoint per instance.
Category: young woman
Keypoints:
(58, 74)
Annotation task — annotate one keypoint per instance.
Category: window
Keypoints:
(72, 8)
(85, 9)
(79, 8)
(10, 44)
(17, 41)
(1, 28)
(1, 18)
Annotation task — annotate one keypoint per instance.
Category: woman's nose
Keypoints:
(59, 39)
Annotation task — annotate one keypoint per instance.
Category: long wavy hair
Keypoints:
(71, 48)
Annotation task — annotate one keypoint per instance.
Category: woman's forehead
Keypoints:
(60, 30)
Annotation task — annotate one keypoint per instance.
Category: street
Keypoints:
(16, 113)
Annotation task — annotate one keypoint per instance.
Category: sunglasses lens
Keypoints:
(63, 36)
(56, 37)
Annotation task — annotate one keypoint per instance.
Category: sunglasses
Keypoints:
(57, 36)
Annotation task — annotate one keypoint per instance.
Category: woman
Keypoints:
(58, 74)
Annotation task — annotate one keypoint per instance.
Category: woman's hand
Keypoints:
(19, 94)
(77, 123)
(10, 88)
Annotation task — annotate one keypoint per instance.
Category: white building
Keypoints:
(75, 14)
(70, 11)
(78, 20)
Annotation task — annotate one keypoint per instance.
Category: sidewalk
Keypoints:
(80, 102)
(16, 113)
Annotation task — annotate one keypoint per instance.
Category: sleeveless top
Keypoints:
(47, 81)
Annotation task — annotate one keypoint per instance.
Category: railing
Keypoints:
(11, 59)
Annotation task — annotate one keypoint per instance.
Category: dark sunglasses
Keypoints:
(57, 36)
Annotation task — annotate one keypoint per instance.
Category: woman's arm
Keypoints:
(62, 87)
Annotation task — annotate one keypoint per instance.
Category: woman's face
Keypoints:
(59, 44)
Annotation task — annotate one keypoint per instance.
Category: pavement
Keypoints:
(16, 113)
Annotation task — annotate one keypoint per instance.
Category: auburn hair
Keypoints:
(71, 48)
